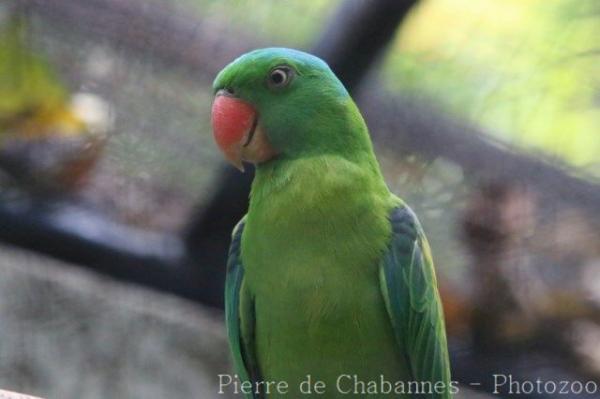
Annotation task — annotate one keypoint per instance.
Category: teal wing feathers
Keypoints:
(239, 315)
(409, 287)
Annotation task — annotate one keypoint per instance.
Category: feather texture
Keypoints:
(329, 275)
(409, 287)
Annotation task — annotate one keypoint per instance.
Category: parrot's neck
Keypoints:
(315, 180)
(317, 203)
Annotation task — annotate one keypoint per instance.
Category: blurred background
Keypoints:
(116, 207)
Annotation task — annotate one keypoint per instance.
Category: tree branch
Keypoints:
(403, 125)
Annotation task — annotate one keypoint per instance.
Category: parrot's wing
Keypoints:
(409, 288)
(239, 313)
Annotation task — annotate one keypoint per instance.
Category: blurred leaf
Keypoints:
(33, 101)
(277, 22)
(527, 70)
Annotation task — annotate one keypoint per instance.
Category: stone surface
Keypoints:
(70, 333)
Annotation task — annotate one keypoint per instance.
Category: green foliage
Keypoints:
(276, 22)
(27, 83)
(525, 70)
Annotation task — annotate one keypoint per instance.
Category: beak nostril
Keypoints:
(229, 90)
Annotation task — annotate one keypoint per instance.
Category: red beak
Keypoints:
(233, 123)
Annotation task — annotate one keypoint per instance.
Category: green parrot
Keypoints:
(330, 280)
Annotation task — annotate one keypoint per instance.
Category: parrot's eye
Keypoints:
(280, 77)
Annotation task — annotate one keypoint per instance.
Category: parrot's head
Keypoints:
(282, 103)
